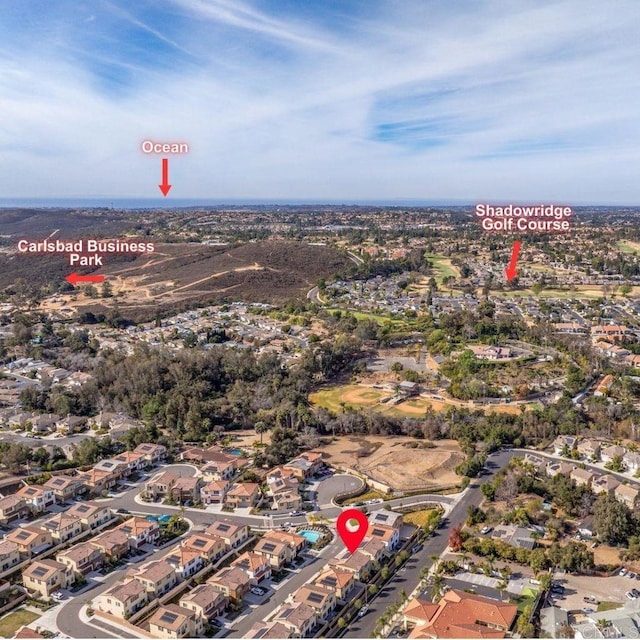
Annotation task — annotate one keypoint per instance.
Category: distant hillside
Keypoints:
(178, 276)
(39, 223)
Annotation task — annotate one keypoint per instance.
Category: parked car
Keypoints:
(257, 591)
(363, 611)
(416, 548)
(591, 600)
(630, 595)
(623, 572)
(631, 575)
(486, 530)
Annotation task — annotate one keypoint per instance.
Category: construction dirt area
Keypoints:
(403, 463)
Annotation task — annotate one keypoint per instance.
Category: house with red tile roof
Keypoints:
(460, 615)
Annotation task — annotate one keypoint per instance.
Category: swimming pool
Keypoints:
(235, 452)
(311, 536)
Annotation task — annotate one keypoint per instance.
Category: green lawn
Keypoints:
(13, 621)
(361, 315)
(528, 596)
(443, 267)
(608, 606)
(627, 246)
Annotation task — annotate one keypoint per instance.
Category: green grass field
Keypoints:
(13, 621)
(627, 246)
(362, 315)
(443, 267)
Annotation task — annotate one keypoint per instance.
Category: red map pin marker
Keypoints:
(352, 527)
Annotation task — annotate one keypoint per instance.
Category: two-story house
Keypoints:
(243, 495)
(43, 577)
(38, 498)
(9, 555)
(209, 547)
(173, 621)
(124, 599)
(255, 565)
(140, 531)
(232, 582)
(157, 577)
(92, 515)
(82, 558)
(31, 540)
(205, 601)
(62, 527)
(214, 492)
(113, 543)
(64, 488)
(234, 535)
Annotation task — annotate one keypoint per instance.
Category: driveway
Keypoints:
(334, 485)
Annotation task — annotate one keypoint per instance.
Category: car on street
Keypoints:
(416, 548)
(363, 611)
(591, 600)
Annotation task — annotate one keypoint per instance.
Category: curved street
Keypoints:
(69, 617)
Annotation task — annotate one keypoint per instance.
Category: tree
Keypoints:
(107, 289)
(455, 538)
(546, 579)
(523, 626)
(438, 585)
(261, 428)
(612, 520)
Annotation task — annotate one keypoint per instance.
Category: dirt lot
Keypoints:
(355, 395)
(391, 462)
(604, 589)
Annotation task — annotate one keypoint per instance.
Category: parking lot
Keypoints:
(603, 589)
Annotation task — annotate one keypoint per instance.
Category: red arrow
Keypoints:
(165, 186)
(511, 271)
(75, 278)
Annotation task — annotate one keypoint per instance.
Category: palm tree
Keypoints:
(437, 585)
(261, 428)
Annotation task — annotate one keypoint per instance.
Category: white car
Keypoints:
(58, 595)
(257, 591)
(363, 611)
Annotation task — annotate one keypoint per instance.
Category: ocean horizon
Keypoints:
(186, 203)
(178, 203)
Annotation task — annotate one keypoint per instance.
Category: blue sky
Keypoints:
(518, 100)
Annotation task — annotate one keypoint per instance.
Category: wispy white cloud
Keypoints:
(524, 100)
(235, 13)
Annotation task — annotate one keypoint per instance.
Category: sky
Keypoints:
(327, 100)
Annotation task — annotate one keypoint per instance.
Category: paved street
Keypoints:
(408, 577)
(69, 620)
(262, 612)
